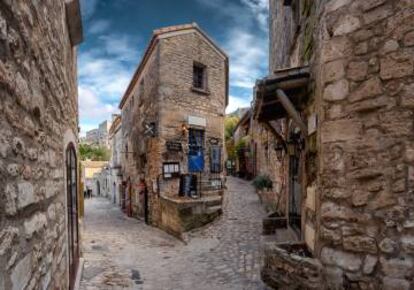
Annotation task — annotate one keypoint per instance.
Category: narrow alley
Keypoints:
(123, 253)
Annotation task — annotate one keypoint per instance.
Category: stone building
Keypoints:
(98, 136)
(339, 101)
(39, 235)
(89, 170)
(115, 165)
(101, 183)
(173, 125)
(244, 163)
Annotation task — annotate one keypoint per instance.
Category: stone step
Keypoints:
(212, 193)
(216, 201)
(213, 209)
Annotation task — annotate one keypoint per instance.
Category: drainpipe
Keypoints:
(287, 104)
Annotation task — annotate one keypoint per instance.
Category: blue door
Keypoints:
(196, 150)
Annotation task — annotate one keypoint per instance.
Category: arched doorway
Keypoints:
(72, 207)
(98, 188)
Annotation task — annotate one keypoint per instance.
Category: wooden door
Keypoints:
(72, 206)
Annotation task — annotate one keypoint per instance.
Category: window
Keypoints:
(199, 76)
(126, 151)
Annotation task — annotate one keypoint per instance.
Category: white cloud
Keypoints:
(104, 75)
(247, 42)
(236, 102)
(242, 15)
(259, 8)
(120, 47)
(107, 77)
(248, 58)
(99, 26)
(92, 108)
(88, 7)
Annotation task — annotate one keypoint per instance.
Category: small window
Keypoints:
(199, 76)
(126, 151)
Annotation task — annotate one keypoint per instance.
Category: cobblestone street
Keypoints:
(124, 253)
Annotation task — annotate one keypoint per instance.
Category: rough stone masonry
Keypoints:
(38, 119)
(367, 141)
(361, 60)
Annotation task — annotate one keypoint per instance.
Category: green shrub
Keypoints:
(262, 182)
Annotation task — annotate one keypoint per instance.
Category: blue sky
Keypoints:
(116, 33)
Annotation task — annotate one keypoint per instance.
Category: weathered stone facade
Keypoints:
(115, 177)
(38, 121)
(356, 165)
(162, 106)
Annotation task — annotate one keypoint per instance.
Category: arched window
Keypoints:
(72, 207)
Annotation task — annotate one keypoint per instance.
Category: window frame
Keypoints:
(204, 78)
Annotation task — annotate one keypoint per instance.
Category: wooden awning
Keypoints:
(293, 82)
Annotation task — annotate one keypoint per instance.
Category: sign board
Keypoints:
(150, 129)
(171, 169)
(174, 146)
(312, 124)
(197, 121)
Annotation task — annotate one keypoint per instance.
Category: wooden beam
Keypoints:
(269, 126)
(292, 111)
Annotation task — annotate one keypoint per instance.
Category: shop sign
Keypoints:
(197, 121)
(174, 146)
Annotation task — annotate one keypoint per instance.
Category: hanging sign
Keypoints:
(150, 129)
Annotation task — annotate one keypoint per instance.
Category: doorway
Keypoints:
(196, 150)
(114, 192)
(98, 188)
(72, 206)
(295, 186)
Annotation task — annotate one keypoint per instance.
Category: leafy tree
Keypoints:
(230, 123)
(95, 153)
(240, 145)
(231, 149)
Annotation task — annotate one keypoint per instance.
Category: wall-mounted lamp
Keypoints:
(184, 129)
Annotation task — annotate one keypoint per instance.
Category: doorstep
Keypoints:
(79, 274)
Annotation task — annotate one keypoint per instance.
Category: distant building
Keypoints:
(89, 170)
(98, 136)
(173, 130)
(115, 168)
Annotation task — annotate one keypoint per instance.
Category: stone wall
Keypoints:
(269, 164)
(366, 140)
(357, 208)
(38, 119)
(141, 108)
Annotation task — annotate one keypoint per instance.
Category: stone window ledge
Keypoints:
(205, 92)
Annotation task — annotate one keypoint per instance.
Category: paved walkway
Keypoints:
(124, 253)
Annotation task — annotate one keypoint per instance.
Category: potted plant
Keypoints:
(262, 182)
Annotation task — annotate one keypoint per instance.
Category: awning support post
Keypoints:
(287, 104)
